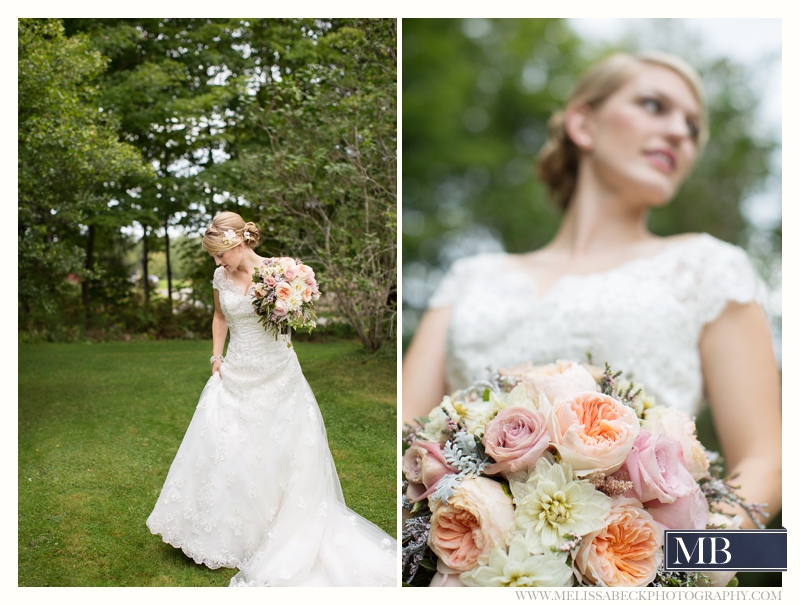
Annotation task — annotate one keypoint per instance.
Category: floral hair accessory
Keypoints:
(229, 237)
(246, 235)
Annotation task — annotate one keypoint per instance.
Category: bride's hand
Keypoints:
(216, 367)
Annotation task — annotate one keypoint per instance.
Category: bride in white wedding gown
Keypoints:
(680, 313)
(253, 485)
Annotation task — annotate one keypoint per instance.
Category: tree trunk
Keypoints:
(88, 265)
(145, 275)
(169, 266)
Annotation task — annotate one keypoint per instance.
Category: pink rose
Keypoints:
(626, 552)
(307, 294)
(655, 466)
(593, 432)
(271, 281)
(283, 291)
(561, 379)
(280, 310)
(476, 517)
(515, 439)
(687, 512)
(311, 282)
(423, 466)
(290, 273)
(679, 426)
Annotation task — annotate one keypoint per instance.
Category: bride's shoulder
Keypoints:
(219, 277)
(706, 248)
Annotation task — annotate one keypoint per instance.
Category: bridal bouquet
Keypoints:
(556, 475)
(285, 293)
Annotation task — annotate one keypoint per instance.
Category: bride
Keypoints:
(680, 313)
(253, 485)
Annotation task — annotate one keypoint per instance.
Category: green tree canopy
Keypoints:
(69, 154)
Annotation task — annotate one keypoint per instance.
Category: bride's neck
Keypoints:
(249, 260)
(599, 222)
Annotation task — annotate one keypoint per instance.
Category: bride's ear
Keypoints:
(578, 124)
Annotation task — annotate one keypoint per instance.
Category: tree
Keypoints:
(175, 85)
(69, 154)
(321, 167)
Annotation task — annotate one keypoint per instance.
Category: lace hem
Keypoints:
(196, 555)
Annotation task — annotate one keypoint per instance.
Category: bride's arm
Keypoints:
(219, 331)
(743, 387)
(424, 382)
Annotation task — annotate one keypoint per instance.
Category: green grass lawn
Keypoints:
(99, 425)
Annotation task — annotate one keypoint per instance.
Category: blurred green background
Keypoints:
(477, 94)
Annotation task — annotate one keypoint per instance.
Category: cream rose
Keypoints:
(515, 439)
(476, 517)
(593, 432)
(424, 465)
(437, 426)
(561, 379)
(626, 552)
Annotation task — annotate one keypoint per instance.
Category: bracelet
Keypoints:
(217, 358)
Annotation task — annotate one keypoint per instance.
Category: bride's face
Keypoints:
(642, 141)
(229, 258)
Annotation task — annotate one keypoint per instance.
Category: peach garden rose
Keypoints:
(476, 517)
(626, 552)
(593, 432)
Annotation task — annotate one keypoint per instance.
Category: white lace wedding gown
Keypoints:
(644, 317)
(254, 485)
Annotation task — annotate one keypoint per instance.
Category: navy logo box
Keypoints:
(724, 549)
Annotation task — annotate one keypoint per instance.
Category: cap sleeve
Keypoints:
(219, 277)
(728, 275)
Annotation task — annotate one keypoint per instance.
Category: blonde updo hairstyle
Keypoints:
(214, 237)
(557, 162)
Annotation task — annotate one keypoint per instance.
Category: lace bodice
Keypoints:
(644, 317)
(250, 344)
